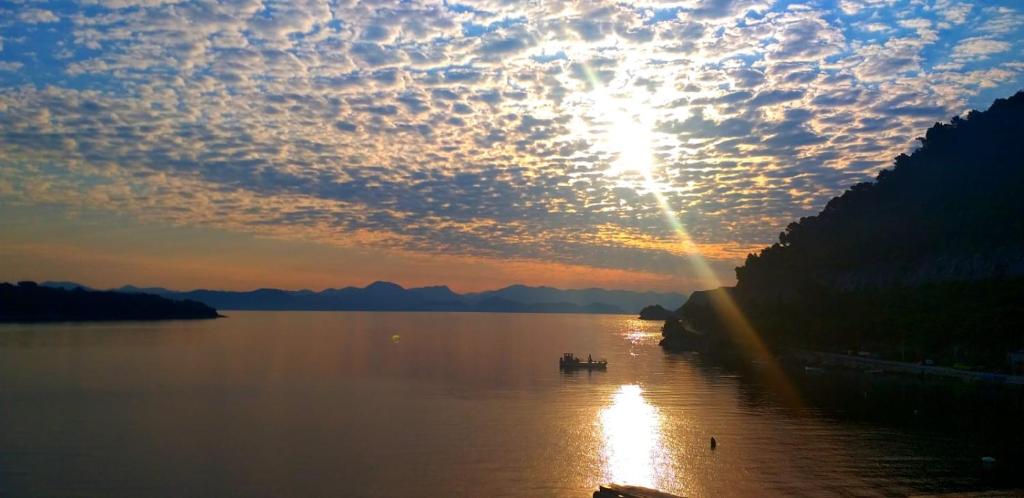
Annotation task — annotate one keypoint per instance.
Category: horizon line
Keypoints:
(351, 286)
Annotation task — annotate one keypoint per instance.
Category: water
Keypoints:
(463, 404)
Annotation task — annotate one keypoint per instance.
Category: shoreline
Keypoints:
(818, 358)
(33, 321)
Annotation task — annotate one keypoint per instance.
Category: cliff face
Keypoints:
(927, 261)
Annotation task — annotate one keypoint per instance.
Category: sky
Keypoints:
(305, 144)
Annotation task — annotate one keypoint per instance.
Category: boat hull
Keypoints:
(584, 366)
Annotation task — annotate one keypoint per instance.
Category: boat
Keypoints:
(624, 491)
(569, 361)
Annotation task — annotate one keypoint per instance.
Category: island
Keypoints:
(655, 312)
(28, 302)
(923, 266)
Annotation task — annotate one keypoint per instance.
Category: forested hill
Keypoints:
(28, 302)
(951, 211)
(926, 262)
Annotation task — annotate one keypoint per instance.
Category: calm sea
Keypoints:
(311, 404)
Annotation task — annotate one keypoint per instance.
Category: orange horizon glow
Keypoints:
(101, 252)
(42, 262)
(533, 143)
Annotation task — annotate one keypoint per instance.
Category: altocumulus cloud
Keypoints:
(481, 129)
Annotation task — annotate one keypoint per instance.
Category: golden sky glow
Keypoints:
(630, 145)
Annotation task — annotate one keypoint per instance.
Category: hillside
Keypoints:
(951, 211)
(926, 261)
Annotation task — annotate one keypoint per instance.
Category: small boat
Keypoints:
(624, 491)
(569, 361)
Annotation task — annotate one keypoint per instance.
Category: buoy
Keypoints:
(395, 338)
(713, 442)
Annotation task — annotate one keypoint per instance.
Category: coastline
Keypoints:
(835, 360)
(36, 320)
(28, 302)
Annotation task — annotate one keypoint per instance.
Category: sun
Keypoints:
(628, 135)
(632, 142)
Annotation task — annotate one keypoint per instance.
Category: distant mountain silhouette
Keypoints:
(629, 301)
(69, 285)
(28, 302)
(387, 296)
(927, 261)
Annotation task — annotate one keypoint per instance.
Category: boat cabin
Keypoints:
(569, 361)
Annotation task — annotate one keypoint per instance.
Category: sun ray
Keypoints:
(629, 135)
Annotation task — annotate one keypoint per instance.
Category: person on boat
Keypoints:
(589, 359)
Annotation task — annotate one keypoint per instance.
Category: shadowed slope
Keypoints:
(927, 262)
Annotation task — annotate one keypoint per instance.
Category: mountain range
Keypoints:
(387, 296)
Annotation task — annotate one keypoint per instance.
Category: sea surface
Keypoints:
(328, 404)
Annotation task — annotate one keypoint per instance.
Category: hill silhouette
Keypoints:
(926, 261)
(388, 296)
(28, 302)
(950, 211)
(655, 312)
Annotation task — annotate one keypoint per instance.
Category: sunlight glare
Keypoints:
(633, 447)
(628, 135)
(632, 143)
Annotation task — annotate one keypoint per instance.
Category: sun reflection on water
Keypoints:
(633, 446)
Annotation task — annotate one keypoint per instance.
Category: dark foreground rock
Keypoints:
(678, 338)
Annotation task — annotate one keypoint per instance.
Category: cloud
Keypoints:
(376, 33)
(804, 36)
(503, 46)
(717, 9)
(374, 54)
(746, 77)
(882, 62)
(484, 132)
(506, 42)
(699, 127)
(955, 13)
(37, 16)
(345, 126)
(914, 111)
(772, 97)
(979, 48)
